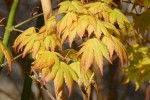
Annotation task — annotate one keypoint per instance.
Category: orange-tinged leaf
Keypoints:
(58, 81)
(85, 78)
(110, 45)
(36, 48)
(46, 59)
(28, 47)
(90, 30)
(64, 6)
(120, 50)
(7, 53)
(89, 92)
(96, 50)
(72, 6)
(64, 36)
(99, 59)
(113, 44)
(44, 72)
(97, 7)
(51, 72)
(71, 36)
(51, 23)
(67, 76)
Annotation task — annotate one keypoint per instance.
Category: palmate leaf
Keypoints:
(97, 7)
(113, 44)
(64, 73)
(7, 53)
(72, 6)
(45, 59)
(30, 40)
(104, 11)
(52, 69)
(70, 55)
(84, 79)
(122, 21)
(93, 49)
(66, 21)
(51, 42)
(86, 23)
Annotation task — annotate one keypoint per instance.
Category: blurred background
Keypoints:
(110, 86)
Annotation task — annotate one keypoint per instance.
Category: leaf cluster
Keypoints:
(138, 70)
(98, 27)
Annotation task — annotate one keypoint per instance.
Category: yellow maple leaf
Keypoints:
(8, 55)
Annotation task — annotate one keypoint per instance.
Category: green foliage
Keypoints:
(138, 71)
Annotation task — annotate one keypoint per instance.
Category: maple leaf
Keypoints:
(45, 59)
(86, 23)
(84, 79)
(52, 69)
(93, 49)
(45, 39)
(70, 54)
(7, 53)
(64, 73)
(66, 21)
(51, 42)
(72, 6)
(97, 7)
(113, 44)
(106, 13)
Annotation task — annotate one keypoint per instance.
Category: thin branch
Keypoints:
(37, 79)
(5, 63)
(17, 30)
(28, 20)
(9, 25)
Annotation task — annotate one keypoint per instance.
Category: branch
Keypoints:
(37, 79)
(47, 9)
(9, 25)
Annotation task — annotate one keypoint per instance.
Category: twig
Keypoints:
(1, 21)
(37, 79)
(90, 81)
(5, 63)
(29, 19)
(14, 29)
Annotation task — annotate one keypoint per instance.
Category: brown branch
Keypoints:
(47, 9)
(37, 79)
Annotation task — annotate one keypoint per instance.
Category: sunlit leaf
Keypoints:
(7, 53)
(31, 41)
(93, 49)
(84, 79)
(72, 6)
